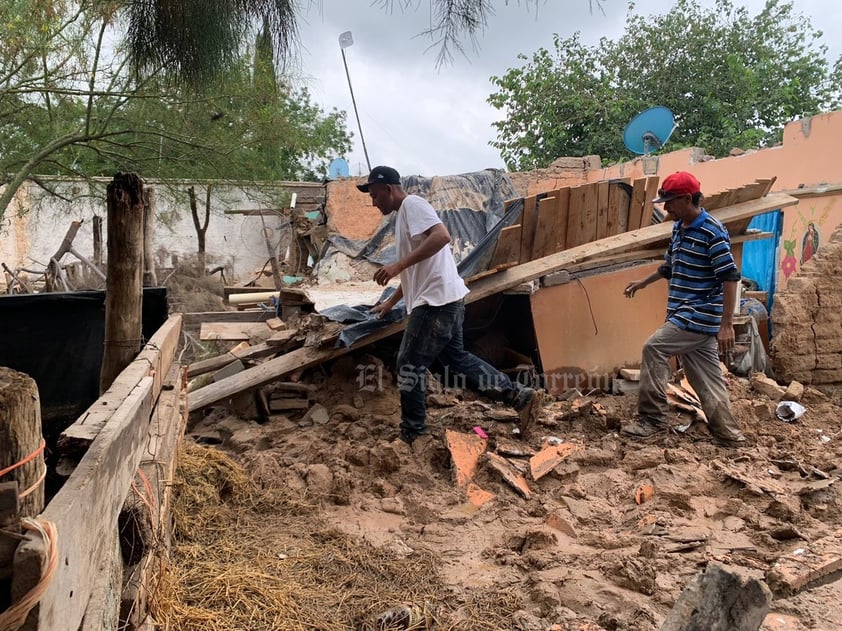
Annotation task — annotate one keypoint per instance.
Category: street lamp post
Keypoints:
(345, 40)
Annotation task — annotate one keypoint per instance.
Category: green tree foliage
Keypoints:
(69, 105)
(199, 40)
(732, 80)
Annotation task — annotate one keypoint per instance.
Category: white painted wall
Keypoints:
(35, 224)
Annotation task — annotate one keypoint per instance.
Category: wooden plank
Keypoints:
(232, 331)
(581, 222)
(562, 196)
(85, 511)
(103, 610)
(545, 237)
(812, 562)
(586, 215)
(483, 288)
(211, 364)
(527, 222)
(507, 250)
(160, 459)
(159, 352)
(619, 204)
(636, 239)
(155, 359)
(196, 318)
(636, 207)
(602, 197)
(574, 216)
(650, 194)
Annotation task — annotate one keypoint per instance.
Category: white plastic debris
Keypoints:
(789, 411)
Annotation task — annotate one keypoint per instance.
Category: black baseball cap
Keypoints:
(381, 175)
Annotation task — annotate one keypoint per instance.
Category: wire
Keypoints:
(588, 298)
(14, 617)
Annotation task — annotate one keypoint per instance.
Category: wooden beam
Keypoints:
(195, 319)
(233, 331)
(484, 287)
(85, 512)
(635, 239)
(155, 359)
(221, 361)
(160, 459)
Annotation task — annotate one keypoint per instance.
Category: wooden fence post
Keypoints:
(124, 289)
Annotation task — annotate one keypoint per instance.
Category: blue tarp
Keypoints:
(760, 257)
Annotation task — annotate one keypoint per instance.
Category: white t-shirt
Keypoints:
(433, 281)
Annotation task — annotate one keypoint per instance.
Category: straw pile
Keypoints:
(246, 559)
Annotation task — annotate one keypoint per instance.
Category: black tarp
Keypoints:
(57, 339)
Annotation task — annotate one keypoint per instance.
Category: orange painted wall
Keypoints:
(580, 350)
(809, 155)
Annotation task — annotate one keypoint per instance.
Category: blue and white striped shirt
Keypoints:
(698, 261)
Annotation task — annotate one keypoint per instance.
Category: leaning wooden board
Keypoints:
(482, 288)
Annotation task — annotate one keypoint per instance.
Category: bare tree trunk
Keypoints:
(124, 290)
(150, 278)
(201, 226)
(97, 228)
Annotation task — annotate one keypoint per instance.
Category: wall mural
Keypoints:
(803, 237)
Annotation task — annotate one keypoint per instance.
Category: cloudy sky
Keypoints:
(429, 121)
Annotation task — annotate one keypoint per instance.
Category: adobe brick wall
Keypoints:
(807, 321)
(561, 172)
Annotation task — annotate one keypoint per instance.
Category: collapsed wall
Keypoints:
(807, 322)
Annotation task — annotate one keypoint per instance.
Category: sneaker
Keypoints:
(642, 429)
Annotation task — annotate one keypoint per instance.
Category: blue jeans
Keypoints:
(436, 333)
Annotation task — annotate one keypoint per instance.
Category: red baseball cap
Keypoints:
(678, 184)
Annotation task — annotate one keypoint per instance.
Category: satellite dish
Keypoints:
(649, 131)
(338, 168)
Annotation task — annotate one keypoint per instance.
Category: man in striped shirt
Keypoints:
(702, 298)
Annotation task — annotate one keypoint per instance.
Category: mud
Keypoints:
(607, 540)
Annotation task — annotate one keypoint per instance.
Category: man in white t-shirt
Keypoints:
(433, 292)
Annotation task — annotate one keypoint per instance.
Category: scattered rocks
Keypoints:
(767, 387)
(794, 392)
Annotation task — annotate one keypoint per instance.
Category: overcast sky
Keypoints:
(436, 122)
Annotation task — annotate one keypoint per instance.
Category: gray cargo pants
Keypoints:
(699, 356)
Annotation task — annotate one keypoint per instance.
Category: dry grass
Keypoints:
(245, 559)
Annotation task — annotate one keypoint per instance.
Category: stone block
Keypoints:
(830, 344)
(823, 377)
(718, 598)
(794, 391)
(788, 365)
(829, 361)
(830, 300)
(765, 386)
(800, 285)
(827, 330)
